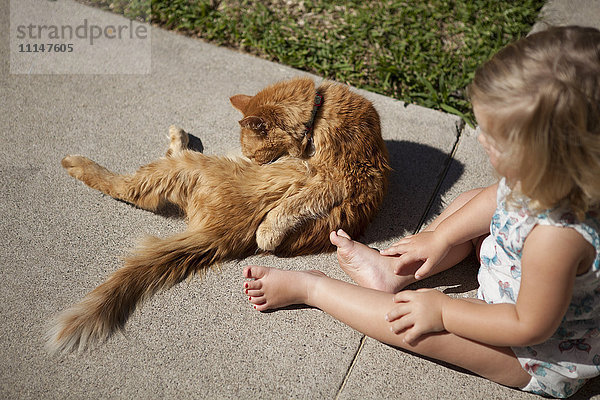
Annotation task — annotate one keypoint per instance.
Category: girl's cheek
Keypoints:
(486, 147)
(483, 142)
(493, 154)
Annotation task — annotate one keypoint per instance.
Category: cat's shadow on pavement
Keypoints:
(417, 169)
(412, 198)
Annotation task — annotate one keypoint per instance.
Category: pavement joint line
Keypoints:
(460, 127)
(363, 340)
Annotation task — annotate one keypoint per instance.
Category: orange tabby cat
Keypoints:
(318, 163)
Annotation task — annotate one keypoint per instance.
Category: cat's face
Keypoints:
(262, 138)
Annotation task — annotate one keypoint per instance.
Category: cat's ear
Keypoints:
(254, 123)
(240, 101)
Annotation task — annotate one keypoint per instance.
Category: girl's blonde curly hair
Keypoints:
(543, 93)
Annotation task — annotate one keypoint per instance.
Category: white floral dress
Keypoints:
(562, 364)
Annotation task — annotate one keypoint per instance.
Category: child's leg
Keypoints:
(364, 309)
(370, 269)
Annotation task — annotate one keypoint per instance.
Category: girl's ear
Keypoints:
(240, 101)
(256, 124)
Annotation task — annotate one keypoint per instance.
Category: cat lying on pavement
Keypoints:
(316, 163)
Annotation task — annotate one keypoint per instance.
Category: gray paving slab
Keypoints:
(569, 12)
(60, 239)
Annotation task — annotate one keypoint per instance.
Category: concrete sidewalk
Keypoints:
(200, 339)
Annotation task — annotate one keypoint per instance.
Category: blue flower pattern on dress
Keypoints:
(562, 364)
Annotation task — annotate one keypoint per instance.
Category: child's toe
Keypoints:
(341, 233)
(255, 272)
(253, 285)
(340, 239)
(257, 300)
(254, 293)
(261, 307)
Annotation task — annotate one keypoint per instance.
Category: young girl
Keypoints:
(536, 322)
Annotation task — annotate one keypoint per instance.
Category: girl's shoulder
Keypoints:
(589, 228)
(563, 217)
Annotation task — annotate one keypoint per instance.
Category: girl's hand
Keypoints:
(417, 313)
(429, 247)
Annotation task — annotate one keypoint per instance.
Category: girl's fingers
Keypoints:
(402, 324)
(404, 240)
(404, 261)
(424, 270)
(392, 250)
(403, 296)
(412, 335)
(398, 311)
(399, 247)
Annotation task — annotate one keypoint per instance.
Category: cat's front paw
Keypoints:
(268, 238)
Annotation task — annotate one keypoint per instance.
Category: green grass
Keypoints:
(421, 52)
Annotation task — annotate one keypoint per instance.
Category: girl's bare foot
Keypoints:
(366, 266)
(275, 288)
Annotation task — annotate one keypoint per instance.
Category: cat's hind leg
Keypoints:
(168, 179)
(179, 141)
(90, 173)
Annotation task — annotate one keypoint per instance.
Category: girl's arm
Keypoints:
(550, 260)
(470, 221)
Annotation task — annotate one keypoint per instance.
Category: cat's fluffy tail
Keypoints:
(157, 264)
